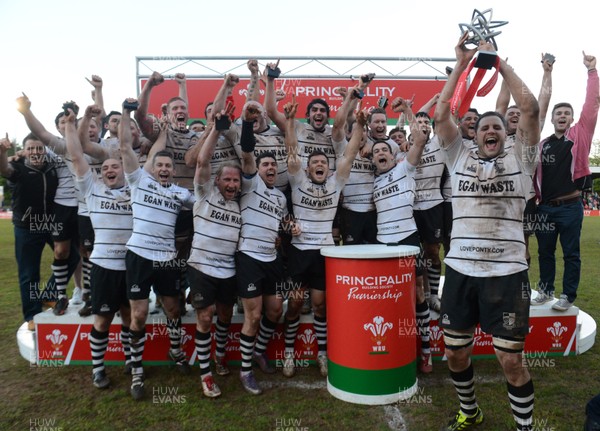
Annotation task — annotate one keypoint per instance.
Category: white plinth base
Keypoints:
(372, 400)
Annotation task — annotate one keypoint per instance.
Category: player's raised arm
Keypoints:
(528, 129)
(74, 148)
(250, 113)
(146, 122)
(420, 137)
(182, 86)
(92, 149)
(277, 117)
(348, 107)
(444, 124)
(546, 88)
(159, 145)
(203, 170)
(36, 127)
(191, 155)
(291, 142)
(130, 160)
(254, 86)
(6, 170)
(344, 163)
(225, 91)
(97, 93)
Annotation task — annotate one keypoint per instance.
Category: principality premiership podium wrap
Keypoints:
(371, 322)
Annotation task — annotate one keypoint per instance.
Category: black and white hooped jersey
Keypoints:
(509, 146)
(111, 145)
(217, 224)
(224, 150)
(66, 193)
(155, 211)
(315, 206)
(271, 139)
(111, 216)
(488, 200)
(447, 186)
(179, 143)
(358, 192)
(428, 176)
(114, 152)
(394, 195)
(310, 140)
(447, 189)
(263, 209)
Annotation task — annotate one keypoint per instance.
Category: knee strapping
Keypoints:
(455, 340)
(509, 344)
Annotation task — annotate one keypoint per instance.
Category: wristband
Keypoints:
(247, 139)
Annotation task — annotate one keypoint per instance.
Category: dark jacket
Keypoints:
(33, 195)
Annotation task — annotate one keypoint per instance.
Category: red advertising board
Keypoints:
(203, 91)
(554, 335)
(68, 343)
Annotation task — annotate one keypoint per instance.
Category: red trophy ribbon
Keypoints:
(480, 29)
(462, 97)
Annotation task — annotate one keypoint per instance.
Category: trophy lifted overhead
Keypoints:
(482, 28)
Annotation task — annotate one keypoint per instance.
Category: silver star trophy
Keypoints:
(482, 27)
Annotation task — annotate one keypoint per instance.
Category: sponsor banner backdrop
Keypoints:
(203, 91)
